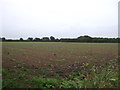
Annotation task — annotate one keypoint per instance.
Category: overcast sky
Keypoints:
(58, 18)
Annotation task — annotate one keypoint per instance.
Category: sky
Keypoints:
(58, 18)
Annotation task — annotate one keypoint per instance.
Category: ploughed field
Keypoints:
(59, 65)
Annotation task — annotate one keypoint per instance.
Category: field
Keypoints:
(59, 65)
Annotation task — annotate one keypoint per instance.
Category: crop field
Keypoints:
(49, 65)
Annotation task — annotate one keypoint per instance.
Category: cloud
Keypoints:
(58, 17)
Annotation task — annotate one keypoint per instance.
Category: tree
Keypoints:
(21, 39)
(57, 40)
(30, 39)
(45, 39)
(85, 38)
(37, 39)
(52, 38)
(3, 39)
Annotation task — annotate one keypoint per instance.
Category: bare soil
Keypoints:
(64, 57)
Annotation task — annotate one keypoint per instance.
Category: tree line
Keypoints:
(84, 38)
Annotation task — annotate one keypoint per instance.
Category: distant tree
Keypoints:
(68, 40)
(21, 39)
(57, 40)
(45, 39)
(37, 39)
(30, 39)
(52, 38)
(85, 38)
(3, 39)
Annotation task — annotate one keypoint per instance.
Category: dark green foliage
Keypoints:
(45, 39)
(21, 39)
(30, 39)
(107, 77)
(44, 83)
(52, 39)
(3, 39)
(37, 39)
(85, 38)
(90, 39)
(11, 84)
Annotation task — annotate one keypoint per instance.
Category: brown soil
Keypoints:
(54, 57)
